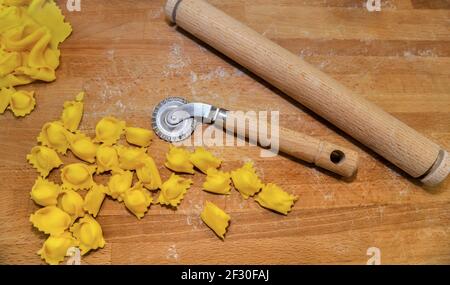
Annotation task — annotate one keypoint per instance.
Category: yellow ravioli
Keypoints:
(45, 193)
(119, 183)
(178, 160)
(149, 174)
(109, 130)
(131, 158)
(72, 203)
(73, 113)
(137, 200)
(107, 159)
(88, 233)
(77, 176)
(82, 147)
(51, 220)
(44, 159)
(173, 190)
(5, 98)
(138, 136)
(274, 198)
(94, 199)
(217, 182)
(22, 103)
(215, 218)
(55, 248)
(246, 181)
(204, 160)
(55, 136)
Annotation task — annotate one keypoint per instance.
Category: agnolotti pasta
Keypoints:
(88, 233)
(109, 130)
(131, 158)
(137, 200)
(204, 160)
(73, 113)
(45, 193)
(55, 247)
(22, 103)
(274, 198)
(107, 159)
(94, 199)
(138, 136)
(72, 203)
(173, 190)
(246, 181)
(178, 160)
(51, 220)
(82, 147)
(148, 174)
(44, 159)
(77, 176)
(215, 218)
(5, 98)
(30, 34)
(217, 182)
(119, 183)
(55, 136)
(29, 37)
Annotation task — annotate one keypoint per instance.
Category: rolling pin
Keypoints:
(400, 144)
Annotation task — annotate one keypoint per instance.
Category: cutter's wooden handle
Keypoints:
(386, 135)
(337, 159)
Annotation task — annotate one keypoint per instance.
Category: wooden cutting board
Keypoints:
(125, 56)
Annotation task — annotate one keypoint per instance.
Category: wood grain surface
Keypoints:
(127, 59)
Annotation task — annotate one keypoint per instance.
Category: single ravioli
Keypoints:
(217, 182)
(77, 176)
(138, 136)
(51, 220)
(88, 233)
(44, 159)
(215, 218)
(22, 103)
(72, 203)
(119, 183)
(204, 160)
(137, 200)
(82, 147)
(73, 113)
(44, 192)
(55, 248)
(55, 136)
(109, 130)
(246, 181)
(149, 174)
(107, 159)
(5, 98)
(178, 160)
(274, 198)
(131, 158)
(94, 199)
(173, 190)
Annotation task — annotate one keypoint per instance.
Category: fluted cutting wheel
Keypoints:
(164, 129)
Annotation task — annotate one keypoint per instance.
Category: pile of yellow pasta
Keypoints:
(30, 34)
(69, 218)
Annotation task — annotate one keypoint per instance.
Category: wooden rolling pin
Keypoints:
(369, 124)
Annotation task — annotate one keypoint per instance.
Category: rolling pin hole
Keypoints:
(337, 156)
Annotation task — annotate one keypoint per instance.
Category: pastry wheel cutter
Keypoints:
(175, 119)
